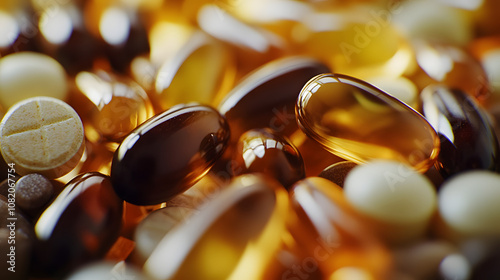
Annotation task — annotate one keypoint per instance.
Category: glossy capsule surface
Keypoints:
(266, 97)
(359, 122)
(168, 154)
(233, 236)
(117, 105)
(179, 80)
(79, 226)
(332, 232)
(468, 140)
(265, 151)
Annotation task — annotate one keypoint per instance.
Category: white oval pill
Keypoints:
(397, 200)
(28, 74)
(469, 203)
(42, 135)
(390, 191)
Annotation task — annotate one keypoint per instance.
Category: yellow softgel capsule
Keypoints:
(42, 135)
(179, 81)
(359, 122)
(234, 236)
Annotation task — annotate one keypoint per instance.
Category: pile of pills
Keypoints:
(249, 139)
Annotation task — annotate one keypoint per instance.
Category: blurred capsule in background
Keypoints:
(265, 151)
(359, 41)
(433, 21)
(104, 270)
(267, 96)
(116, 105)
(201, 71)
(78, 227)
(337, 172)
(359, 122)
(252, 45)
(120, 30)
(396, 201)
(29, 74)
(451, 66)
(468, 204)
(150, 231)
(18, 29)
(332, 233)
(468, 140)
(487, 51)
(234, 236)
(399, 87)
(168, 153)
(64, 37)
(422, 260)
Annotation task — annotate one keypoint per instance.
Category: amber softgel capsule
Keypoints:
(359, 122)
(42, 135)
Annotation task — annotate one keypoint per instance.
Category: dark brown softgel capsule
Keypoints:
(266, 97)
(468, 141)
(79, 226)
(337, 172)
(168, 154)
(265, 151)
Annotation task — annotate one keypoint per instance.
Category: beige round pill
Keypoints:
(468, 203)
(42, 135)
(27, 74)
(398, 200)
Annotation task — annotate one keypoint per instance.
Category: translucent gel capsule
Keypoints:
(168, 153)
(200, 70)
(267, 96)
(80, 225)
(316, 158)
(154, 227)
(233, 236)
(117, 105)
(252, 46)
(331, 232)
(449, 65)
(468, 141)
(264, 151)
(359, 122)
(358, 41)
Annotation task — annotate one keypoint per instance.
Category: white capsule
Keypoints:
(397, 198)
(469, 203)
(28, 74)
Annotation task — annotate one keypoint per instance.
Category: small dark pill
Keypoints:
(33, 191)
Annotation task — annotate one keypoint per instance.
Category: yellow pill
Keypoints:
(42, 135)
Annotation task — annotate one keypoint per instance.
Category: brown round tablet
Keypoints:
(33, 191)
(42, 135)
